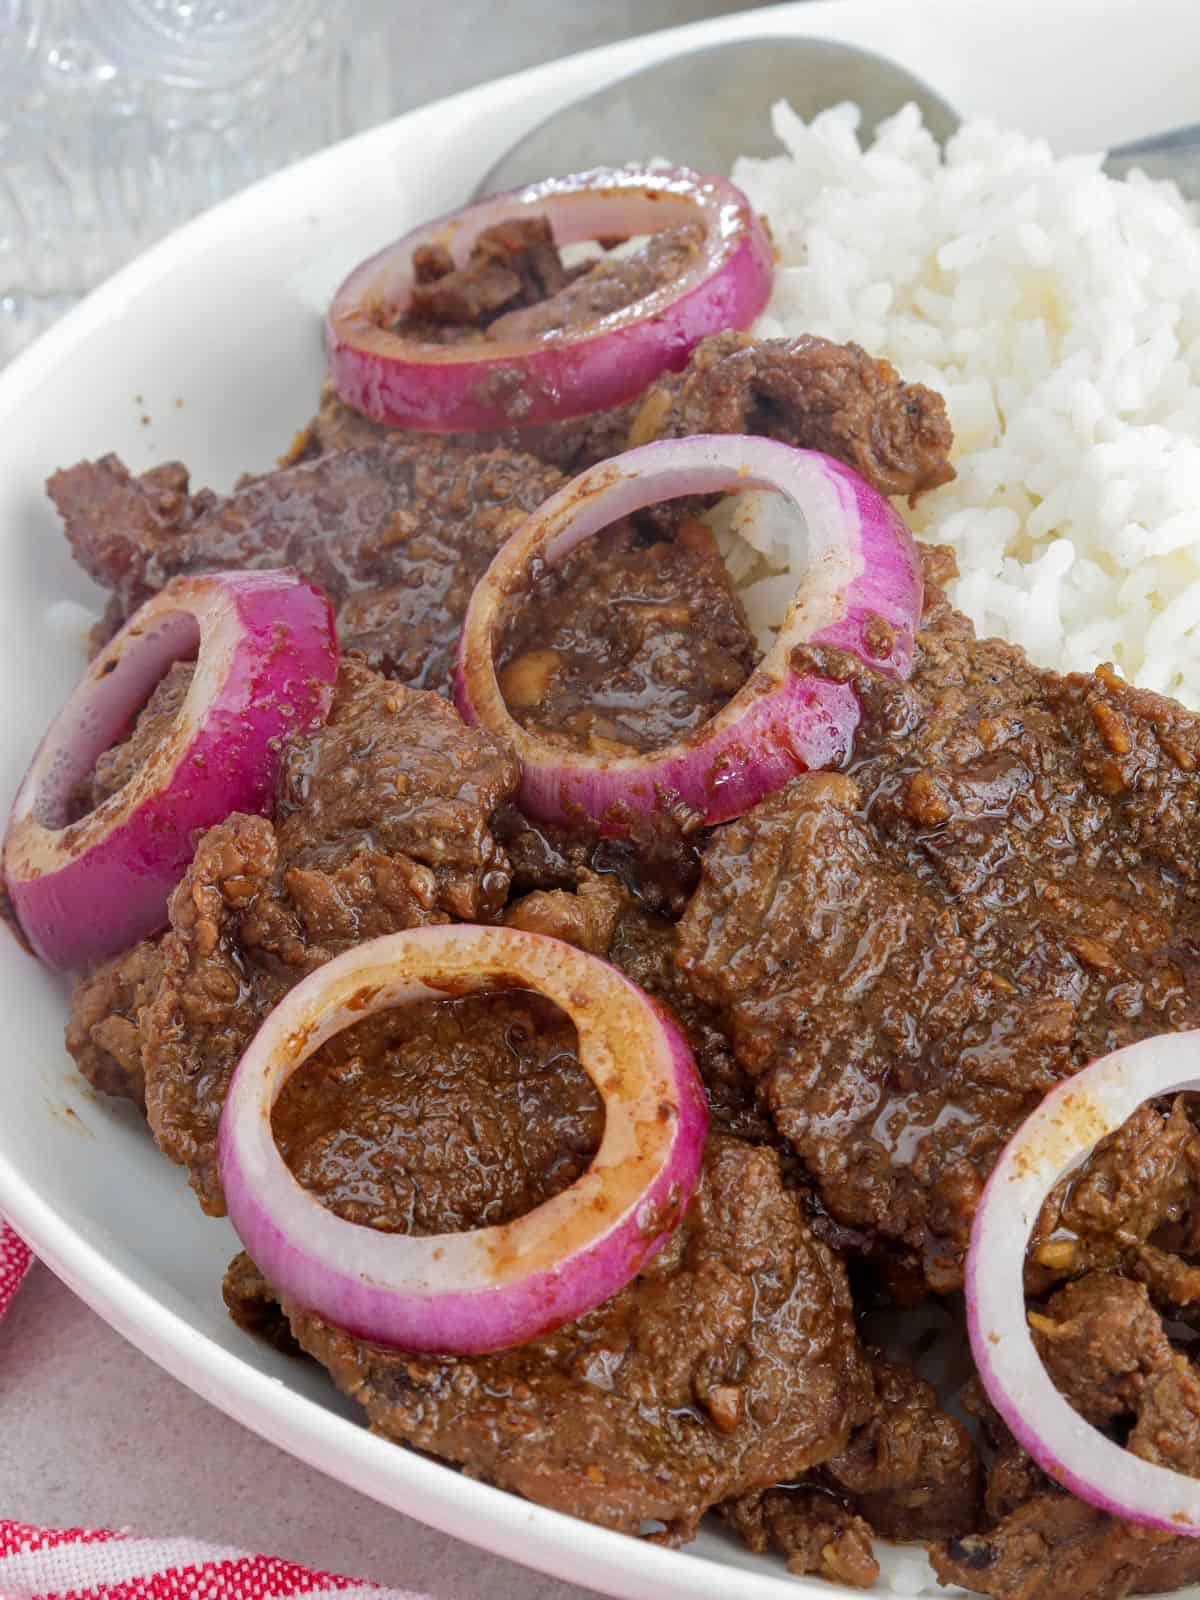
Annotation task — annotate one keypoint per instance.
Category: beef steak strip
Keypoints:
(908, 1472)
(104, 1027)
(381, 824)
(605, 286)
(514, 286)
(587, 919)
(912, 1470)
(252, 1305)
(907, 955)
(1106, 1350)
(730, 1363)
(1131, 1208)
(643, 948)
(1057, 1548)
(511, 264)
(811, 393)
(397, 536)
(630, 653)
(812, 1528)
(657, 864)
(442, 1116)
(1102, 1342)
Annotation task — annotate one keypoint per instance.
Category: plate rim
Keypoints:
(491, 1518)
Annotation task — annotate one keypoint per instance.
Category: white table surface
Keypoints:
(91, 1432)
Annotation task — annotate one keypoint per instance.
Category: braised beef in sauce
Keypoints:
(999, 889)
(632, 643)
(514, 285)
(729, 1363)
(879, 971)
(441, 1116)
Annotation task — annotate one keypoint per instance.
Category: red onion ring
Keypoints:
(466, 1293)
(266, 662)
(861, 593)
(483, 384)
(1050, 1143)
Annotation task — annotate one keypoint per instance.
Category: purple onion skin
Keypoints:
(804, 724)
(511, 1314)
(125, 858)
(890, 588)
(782, 722)
(1056, 1136)
(499, 1286)
(473, 389)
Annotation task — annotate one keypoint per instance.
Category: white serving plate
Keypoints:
(208, 349)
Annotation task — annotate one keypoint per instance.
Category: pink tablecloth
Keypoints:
(100, 1564)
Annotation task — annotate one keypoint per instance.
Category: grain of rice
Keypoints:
(1058, 312)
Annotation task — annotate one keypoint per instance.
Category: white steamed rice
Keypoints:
(1058, 312)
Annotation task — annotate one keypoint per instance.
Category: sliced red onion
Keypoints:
(1051, 1142)
(266, 657)
(466, 1293)
(861, 593)
(486, 384)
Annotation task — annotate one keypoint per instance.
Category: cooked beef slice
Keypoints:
(252, 1305)
(1012, 1477)
(1131, 1207)
(104, 1028)
(729, 1364)
(1000, 888)
(806, 391)
(1102, 1343)
(587, 919)
(397, 536)
(1167, 1430)
(912, 1471)
(643, 947)
(1047, 1545)
(605, 286)
(514, 287)
(511, 264)
(811, 393)
(125, 531)
(908, 1472)
(1106, 1350)
(381, 824)
(815, 1530)
(629, 652)
(659, 865)
(441, 1116)
(1057, 1548)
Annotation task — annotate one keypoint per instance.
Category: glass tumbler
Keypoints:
(120, 119)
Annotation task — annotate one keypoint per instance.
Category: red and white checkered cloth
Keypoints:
(94, 1564)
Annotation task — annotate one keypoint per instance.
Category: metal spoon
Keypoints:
(706, 107)
(1164, 155)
